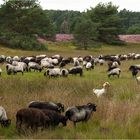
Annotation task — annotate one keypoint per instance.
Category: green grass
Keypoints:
(118, 112)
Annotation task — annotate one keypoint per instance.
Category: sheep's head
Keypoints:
(64, 121)
(61, 107)
(92, 106)
(106, 85)
(5, 123)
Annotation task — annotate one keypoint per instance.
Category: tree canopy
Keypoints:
(107, 21)
(21, 21)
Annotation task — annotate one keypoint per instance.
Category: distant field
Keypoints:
(118, 112)
(130, 38)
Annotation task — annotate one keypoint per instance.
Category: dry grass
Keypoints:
(118, 112)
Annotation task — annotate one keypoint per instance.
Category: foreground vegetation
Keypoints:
(118, 112)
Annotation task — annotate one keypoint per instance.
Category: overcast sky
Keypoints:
(82, 5)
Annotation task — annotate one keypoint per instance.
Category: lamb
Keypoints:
(100, 92)
(58, 107)
(4, 121)
(31, 117)
(80, 113)
(114, 71)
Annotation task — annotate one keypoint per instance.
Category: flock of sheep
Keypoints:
(48, 114)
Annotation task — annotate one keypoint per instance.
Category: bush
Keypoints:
(21, 42)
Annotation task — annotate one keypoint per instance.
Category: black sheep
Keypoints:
(76, 70)
(58, 107)
(31, 117)
(55, 118)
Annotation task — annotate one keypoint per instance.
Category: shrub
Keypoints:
(21, 42)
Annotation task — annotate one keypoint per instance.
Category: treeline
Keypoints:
(22, 22)
(65, 21)
(131, 22)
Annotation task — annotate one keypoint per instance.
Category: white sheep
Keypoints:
(114, 71)
(46, 64)
(14, 69)
(89, 66)
(115, 64)
(76, 62)
(64, 72)
(53, 72)
(16, 58)
(5, 122)
(100, 92)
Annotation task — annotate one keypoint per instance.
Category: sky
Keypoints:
(83, 5)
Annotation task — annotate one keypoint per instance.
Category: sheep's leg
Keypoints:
(34, 128)
(18, 126)
(26, 69)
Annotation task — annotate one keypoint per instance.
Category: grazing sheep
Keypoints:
(14, 69)
(76, 62)
(55, 117)
(2, 58)
(89, 66)
(55, 72)
(31, 117)
(35, 66)
(76, 70)
(4, 121)
(112, 64)
(134, 69)
(100, 92)
(87, 58)
(64, 72)
(46, 64)
(114, 71)
(100, 61)
(58, 107)
(22, 64)
(80, 113)
(9, 59)
(65, 61)
(58, 57)
(16, 58)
